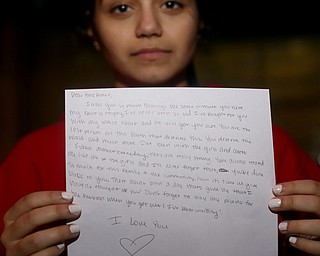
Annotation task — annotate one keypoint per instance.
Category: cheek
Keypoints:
(112, 38)
(186, 29)
(188, 41)
(116, 57)
(192, 36)
(112, 47)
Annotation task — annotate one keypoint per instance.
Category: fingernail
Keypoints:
(74, 228)
(277, 189)
(66, 195)
(75, 209)
(61, 246)
(274, 203)
(292, 240)
(283, 226)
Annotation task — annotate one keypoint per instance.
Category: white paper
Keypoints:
(171, 171)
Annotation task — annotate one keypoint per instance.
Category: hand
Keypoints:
(36, 224)
(299, 196)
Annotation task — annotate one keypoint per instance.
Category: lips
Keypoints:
(151, 53)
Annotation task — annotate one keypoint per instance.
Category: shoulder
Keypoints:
(45, 134)
(38, 146)
(291, 161)
(44, 138)
(285, 146)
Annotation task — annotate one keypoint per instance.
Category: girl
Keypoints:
(147, 43)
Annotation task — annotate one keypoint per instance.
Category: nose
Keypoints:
(149, 24)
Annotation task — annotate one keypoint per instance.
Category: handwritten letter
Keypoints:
(171, 171)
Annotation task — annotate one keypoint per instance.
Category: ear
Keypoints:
(201, 28)
(90, 32)
(89, 25)
(201, 25)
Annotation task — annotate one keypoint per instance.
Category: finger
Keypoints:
(38, 217)
(308, 246)
(301, 203)
(306, 228)
(35, 200)
(298, 187)
(51, 251)
(43, 240)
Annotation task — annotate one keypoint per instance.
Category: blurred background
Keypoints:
(253, 46)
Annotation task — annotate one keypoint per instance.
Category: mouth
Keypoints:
(151, 53)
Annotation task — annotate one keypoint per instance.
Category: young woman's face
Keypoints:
(147, 42)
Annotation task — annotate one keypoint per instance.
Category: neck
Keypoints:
(119, 84)
(170, 83)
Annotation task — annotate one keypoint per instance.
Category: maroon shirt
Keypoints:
(38, 163)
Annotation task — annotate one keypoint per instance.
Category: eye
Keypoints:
(122, 8)
(172, 5)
